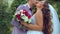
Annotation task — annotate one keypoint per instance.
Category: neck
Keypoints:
(30, 4)
(39, 8)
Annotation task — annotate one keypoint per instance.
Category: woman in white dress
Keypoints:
(36, 25)
(41, 21)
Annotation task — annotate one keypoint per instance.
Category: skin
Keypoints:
(32, 3)
(39, 23)
(39, 5)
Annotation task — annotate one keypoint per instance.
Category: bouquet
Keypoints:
(23, 15)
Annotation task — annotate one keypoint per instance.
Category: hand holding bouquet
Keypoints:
(23, 15)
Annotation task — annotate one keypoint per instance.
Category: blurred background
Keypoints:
(7, 9)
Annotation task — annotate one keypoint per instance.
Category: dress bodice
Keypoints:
(33, 20)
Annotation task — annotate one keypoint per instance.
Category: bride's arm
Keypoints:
(39, 25)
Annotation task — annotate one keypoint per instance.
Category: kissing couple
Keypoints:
(44, 18)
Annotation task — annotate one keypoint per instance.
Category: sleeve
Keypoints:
(14, 22)
(19, 8)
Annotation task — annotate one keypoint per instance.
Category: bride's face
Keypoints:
(40, 4)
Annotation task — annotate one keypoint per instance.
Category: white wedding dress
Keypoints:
(55, 22)
(33, 31)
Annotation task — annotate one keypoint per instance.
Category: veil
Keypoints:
(55, 20)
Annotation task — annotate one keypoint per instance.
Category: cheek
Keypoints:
(35, 1)
(41, 3)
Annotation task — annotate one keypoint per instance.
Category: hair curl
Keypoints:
(47, 24)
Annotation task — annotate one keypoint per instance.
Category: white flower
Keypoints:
(18, 12)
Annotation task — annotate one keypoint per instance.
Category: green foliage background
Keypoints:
(7, 12)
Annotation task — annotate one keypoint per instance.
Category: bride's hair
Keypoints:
(47, 24)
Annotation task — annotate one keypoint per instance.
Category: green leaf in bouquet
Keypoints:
(26, 19)
(14, 16)
(29, 21)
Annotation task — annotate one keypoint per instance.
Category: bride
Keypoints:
(41, 20)
(44, 21)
